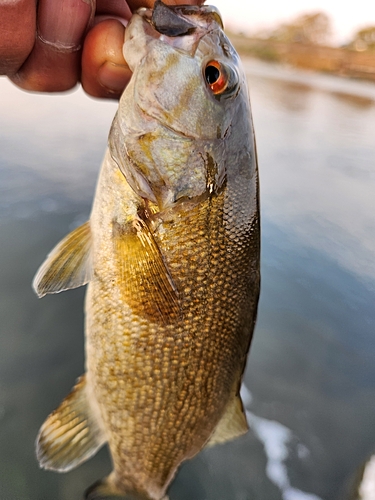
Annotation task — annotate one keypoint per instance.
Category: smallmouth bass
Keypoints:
(171, 258)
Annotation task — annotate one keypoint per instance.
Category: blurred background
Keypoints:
(345, 18)
(310, 384)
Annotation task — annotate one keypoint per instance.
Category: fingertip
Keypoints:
(104, 70)
(114, 78)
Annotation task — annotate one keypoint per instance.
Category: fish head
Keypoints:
(173, 131)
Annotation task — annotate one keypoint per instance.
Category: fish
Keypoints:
(171, 259)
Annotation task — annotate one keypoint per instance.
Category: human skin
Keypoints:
(50, 46)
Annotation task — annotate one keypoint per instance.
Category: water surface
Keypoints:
(310, 382)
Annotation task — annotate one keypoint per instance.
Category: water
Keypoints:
(310, 383)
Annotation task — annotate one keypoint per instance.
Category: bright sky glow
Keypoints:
(249, 17)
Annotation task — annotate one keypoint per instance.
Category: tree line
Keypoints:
(316, 28)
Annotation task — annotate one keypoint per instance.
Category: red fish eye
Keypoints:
(216, 77)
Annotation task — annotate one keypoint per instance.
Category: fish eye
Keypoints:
(220, 78)
(212, 74)
(216, 77)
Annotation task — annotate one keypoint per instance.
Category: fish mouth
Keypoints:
(181, 26)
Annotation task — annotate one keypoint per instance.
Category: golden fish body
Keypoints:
(171, 254)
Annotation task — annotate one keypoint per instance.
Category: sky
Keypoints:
(249, 17)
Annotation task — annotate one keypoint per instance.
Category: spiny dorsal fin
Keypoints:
(71, 434)
(68, 265)
(145, 279)
(232, 424)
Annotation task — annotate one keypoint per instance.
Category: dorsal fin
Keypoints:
(68, 265)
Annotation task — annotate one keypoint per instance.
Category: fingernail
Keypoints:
(63, 24)
(114, 77)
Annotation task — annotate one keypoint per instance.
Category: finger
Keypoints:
(17, 29)
(117, 8)
(104, 70)
(54, 63)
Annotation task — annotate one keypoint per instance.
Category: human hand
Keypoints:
(51, 45)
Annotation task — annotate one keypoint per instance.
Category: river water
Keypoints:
(310, 383)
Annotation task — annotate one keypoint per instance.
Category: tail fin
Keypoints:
(105, 489)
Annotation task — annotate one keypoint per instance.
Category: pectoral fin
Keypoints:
(71, 434)
(232, 424)
(68, 265)
(145, 279)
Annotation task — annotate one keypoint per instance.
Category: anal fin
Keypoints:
(71, 434)
(68, 265)
(232, 424)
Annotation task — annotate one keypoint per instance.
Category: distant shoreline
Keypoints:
(338, 61)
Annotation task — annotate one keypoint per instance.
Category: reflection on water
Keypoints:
(311, 373)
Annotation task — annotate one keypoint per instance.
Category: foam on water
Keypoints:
(367, 486)
(275, 438)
